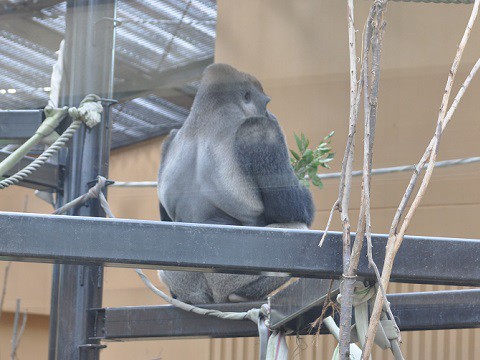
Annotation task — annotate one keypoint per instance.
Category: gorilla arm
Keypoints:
(166, 144)
(262, 153)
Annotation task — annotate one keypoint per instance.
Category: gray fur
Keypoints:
(212, 174)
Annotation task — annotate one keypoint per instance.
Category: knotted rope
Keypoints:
(89, 112)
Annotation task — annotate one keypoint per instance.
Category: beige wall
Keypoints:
(299, 52)
(298, 49)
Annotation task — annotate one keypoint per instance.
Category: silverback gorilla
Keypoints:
(228, 164)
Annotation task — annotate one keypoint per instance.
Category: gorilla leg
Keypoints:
(189, 287)
(232, 287)
(223, 285)
(258, 289)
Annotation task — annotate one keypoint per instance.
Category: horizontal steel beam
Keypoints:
(161, 81)
(440, 310)
(154, 322)
(220, 248)
(304, 298)
(19, 125)
(24, 27)
(25, 7)
(297, 306)
(46, 178)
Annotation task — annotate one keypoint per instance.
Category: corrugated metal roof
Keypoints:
(154, 37)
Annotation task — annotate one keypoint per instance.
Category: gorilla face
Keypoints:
(225, 87)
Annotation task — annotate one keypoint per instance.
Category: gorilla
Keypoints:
(229, 164)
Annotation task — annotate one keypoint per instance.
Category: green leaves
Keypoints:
(305, 161)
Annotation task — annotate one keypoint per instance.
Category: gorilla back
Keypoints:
(229, 164)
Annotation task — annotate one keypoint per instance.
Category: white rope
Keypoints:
(387, 331)
(42, 159)
(88, 112)
(251, 314)
(138, 184)
(277, 346)
(381, 171)
(389, 170)
(57, 75)
(355, 352)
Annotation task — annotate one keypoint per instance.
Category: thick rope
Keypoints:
(42, 159)
(251, 314)
(88, 112)
(94, 193)
(387, 332)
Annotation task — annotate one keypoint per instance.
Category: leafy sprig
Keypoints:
(305, 161)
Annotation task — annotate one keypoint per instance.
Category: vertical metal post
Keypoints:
(89, 47)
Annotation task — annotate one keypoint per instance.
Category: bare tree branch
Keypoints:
(344, 192)
(4, 286)
(395, 239)
(350, 274)
(15, 330)
(20, 333)
(334, 207)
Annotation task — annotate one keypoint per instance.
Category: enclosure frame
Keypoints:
(78, 321)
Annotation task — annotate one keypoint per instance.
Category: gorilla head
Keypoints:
(226, 91)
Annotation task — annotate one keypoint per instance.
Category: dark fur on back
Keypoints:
(262, 153)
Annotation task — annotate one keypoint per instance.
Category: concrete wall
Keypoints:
(298, 49)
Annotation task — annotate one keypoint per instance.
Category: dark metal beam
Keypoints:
(437, 310)
(19, 125)
(179, 96)
(161, 81)
(221, 248)
(89, 49)
(297, 306)
(46, 178)
(32, 31)
(305, 296)
(26, 7)
(442, 310)
(148, 322)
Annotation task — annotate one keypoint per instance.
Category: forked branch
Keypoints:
(396, 238)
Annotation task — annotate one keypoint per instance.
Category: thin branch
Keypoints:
(395, 240)
(425, 156)
(344, 192)
(370, 104)
(19, 335)
(15, 331)
(4, 286)
(439, 128)
(351, 259)
(334, 208)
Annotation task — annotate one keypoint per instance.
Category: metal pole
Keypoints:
(89, 46)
